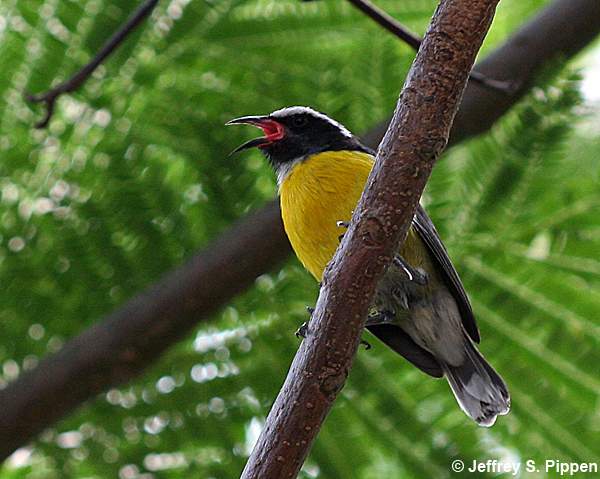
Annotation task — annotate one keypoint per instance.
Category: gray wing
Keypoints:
(427, 232)
(396, 339)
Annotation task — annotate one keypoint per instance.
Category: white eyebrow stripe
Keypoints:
(293, 110)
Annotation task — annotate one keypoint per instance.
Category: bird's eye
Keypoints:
(299, 121)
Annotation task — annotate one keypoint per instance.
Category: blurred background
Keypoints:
(132, 177)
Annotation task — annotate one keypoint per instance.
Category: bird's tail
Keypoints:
(480, 391)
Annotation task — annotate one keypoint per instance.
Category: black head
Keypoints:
(294, 132)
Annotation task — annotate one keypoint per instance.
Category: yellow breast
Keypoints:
(317, 193)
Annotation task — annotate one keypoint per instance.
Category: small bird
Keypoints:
(420, 309)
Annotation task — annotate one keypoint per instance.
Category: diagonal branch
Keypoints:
(559, 31)
(49, 97)
(113, 351)
(417, 135)
(396, 28)
(62, 382)
(388, 22)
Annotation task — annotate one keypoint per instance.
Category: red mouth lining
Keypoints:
(273, 130)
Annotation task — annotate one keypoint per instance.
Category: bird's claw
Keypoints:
(342, 224)
(413, 274)
(420, 277)
(380, 317)
(302, 331)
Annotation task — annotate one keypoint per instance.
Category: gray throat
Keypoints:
(282, 170)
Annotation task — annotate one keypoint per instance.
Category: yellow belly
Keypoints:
(319, 192)
(316, 194)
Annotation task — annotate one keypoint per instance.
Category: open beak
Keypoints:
(272, 129)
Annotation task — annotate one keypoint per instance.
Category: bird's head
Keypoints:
(293, 133)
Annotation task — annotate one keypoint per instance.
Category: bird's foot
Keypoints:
(302, 331)
(342, 224)
(380, 317)
(413, 274)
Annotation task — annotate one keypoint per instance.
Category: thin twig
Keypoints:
(396, 28)
(49, 97)
(388, 22)
(414, 140)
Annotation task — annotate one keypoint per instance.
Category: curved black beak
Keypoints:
(249, 120)
(272, 129)
(250, 144)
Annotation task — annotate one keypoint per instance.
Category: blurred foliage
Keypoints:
(132, 177)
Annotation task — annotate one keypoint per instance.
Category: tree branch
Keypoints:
(559, 31)
(393, 26)
(63, 381)
(417, 135)
(115, 350)
(388, 22)
(49, 97)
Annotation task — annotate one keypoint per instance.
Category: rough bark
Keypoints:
(417, 135)
(61, 382)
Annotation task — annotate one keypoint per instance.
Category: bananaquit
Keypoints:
(421, 309)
